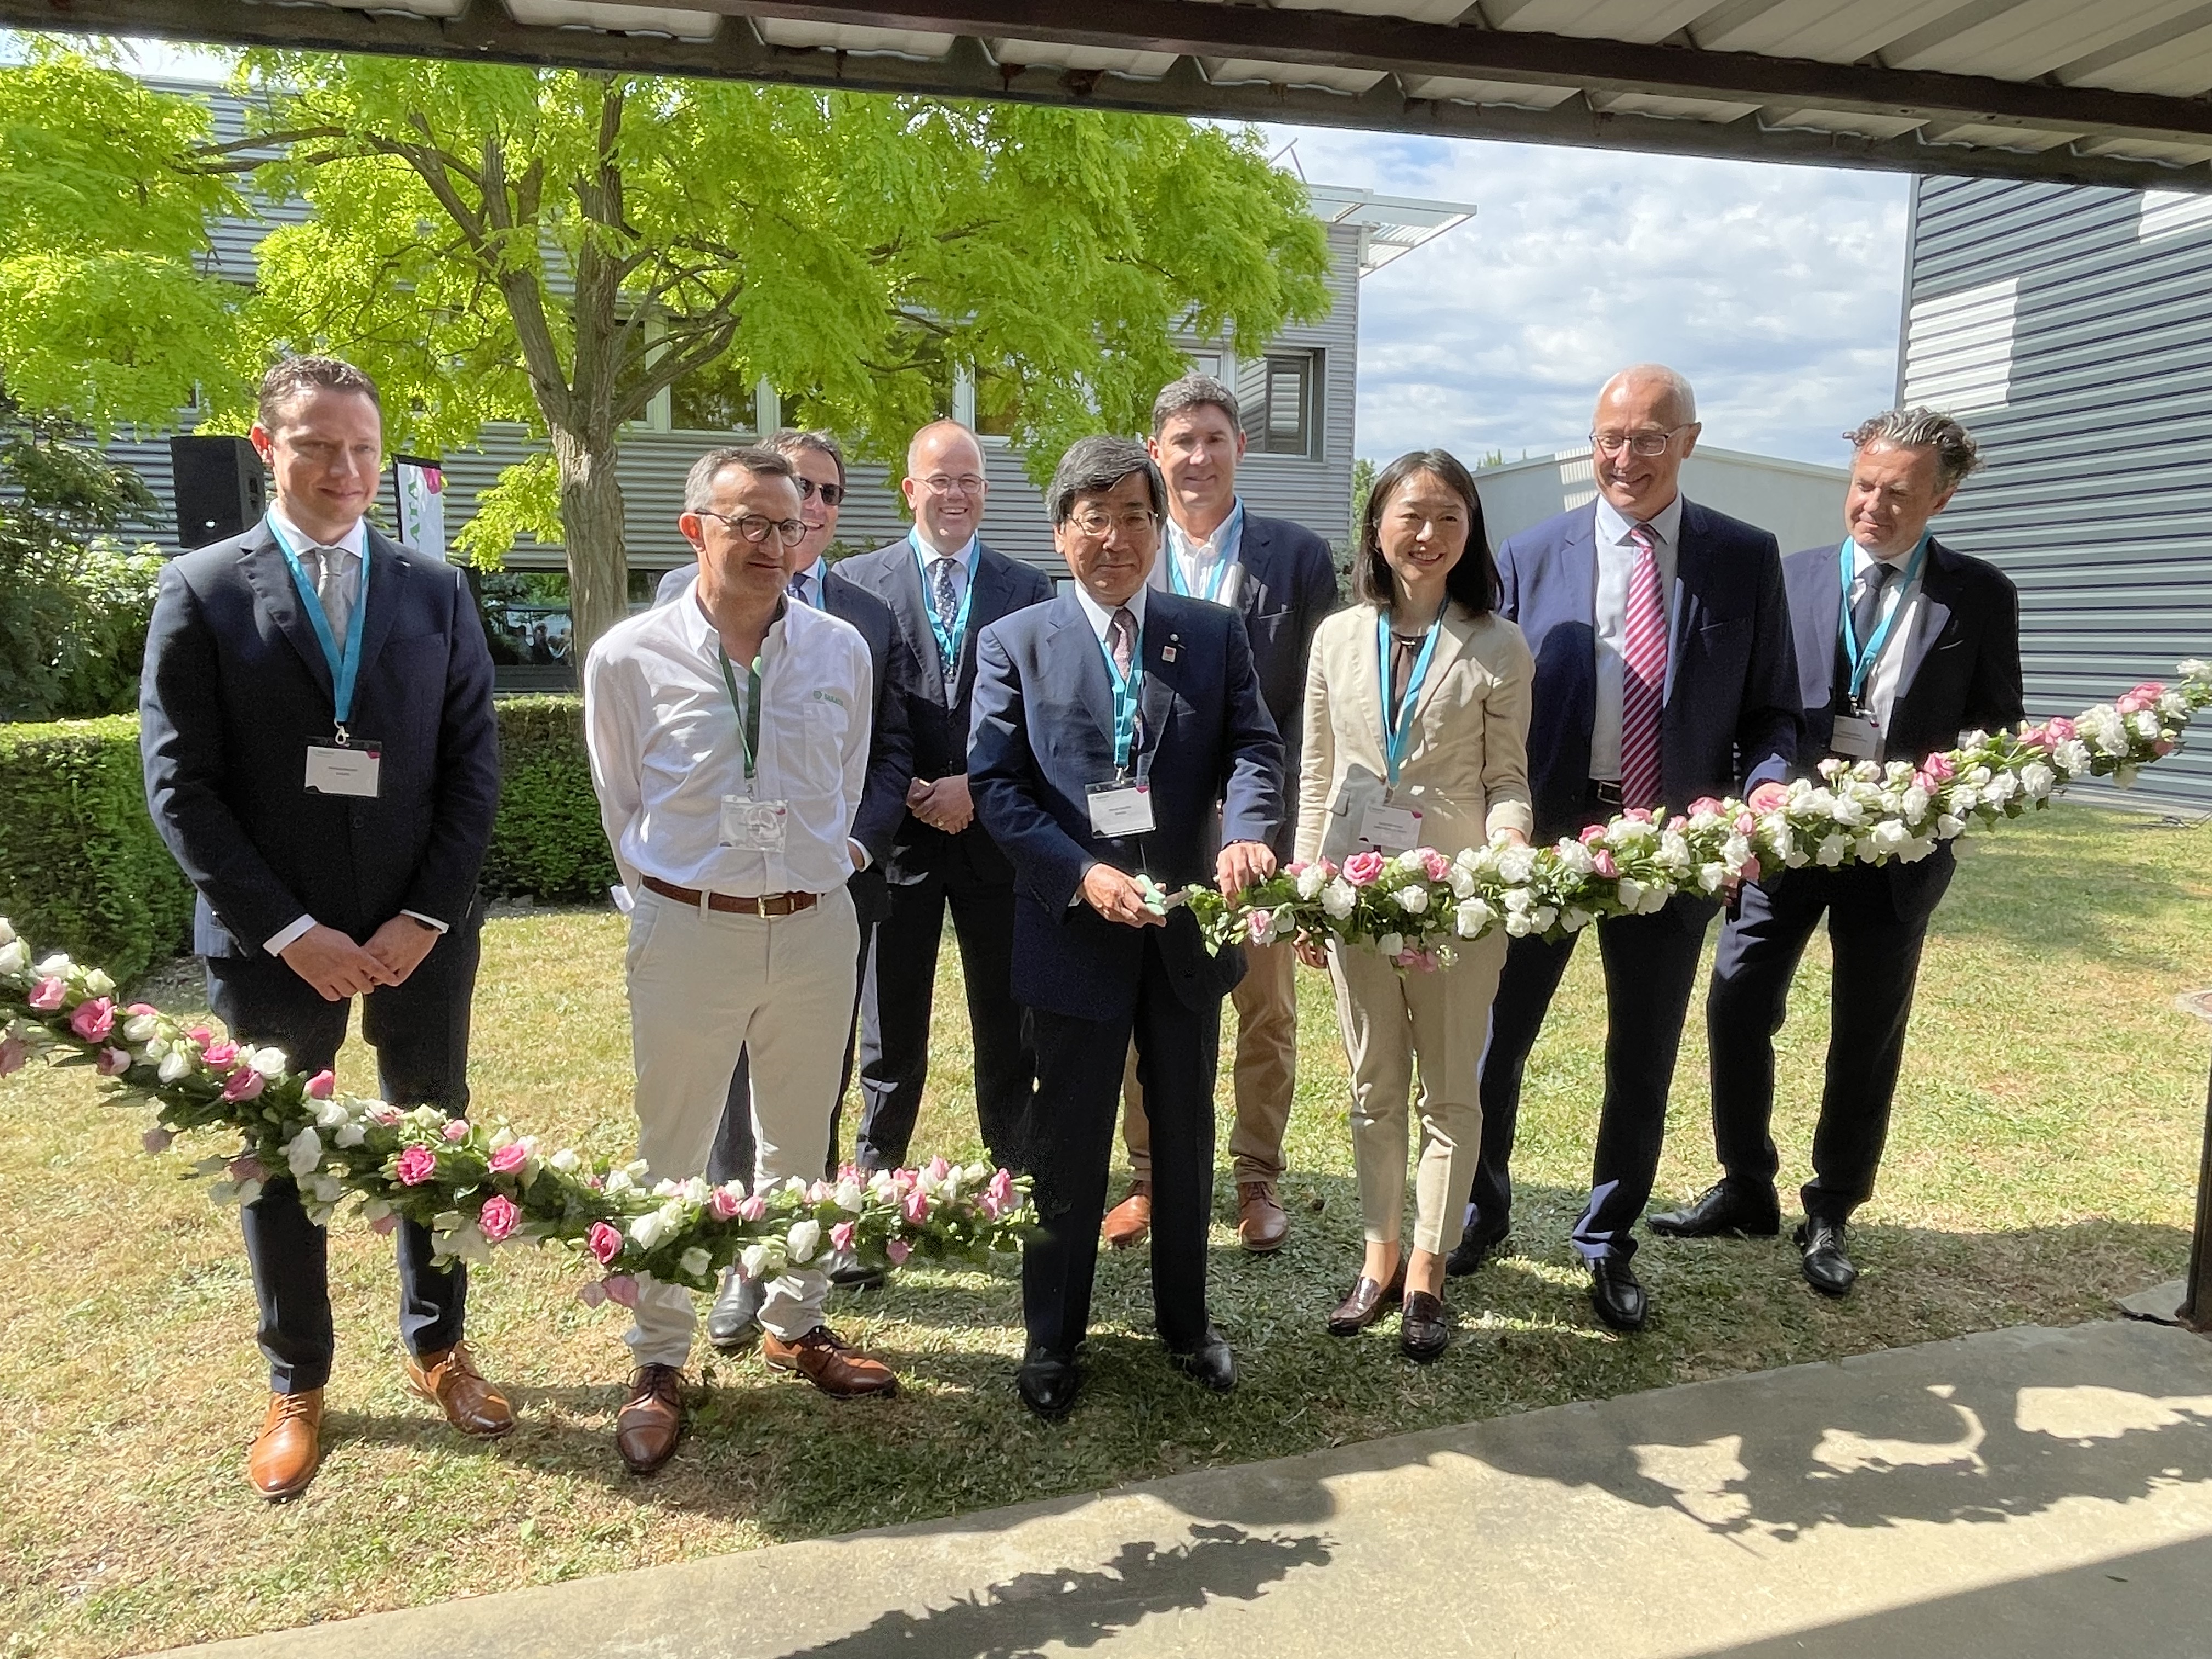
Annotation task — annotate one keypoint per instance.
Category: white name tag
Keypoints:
(1388, 829)
(1121, 808)
(1856, 738)
(352, 770)
(753, 826)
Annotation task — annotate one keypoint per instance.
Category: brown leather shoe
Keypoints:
(829, 1362)
(449, 1378)
(1367, 1301)
(1128, 1222)
(1424, 1332)
(1262, 1225)
(289, 1447)
(651, 1420)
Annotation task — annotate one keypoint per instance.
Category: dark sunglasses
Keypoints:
(831, 494)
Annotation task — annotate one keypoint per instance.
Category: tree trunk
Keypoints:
(591, 520)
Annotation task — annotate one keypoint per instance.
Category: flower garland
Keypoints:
(476, 1187)
(1414, 906)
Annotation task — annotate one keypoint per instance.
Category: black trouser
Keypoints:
(420, 1030)
(897, 991)
(736, 1155)
(1876, 964)
(1650, 965)
(1071, 1143)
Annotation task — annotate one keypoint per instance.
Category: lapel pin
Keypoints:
(1168, 651)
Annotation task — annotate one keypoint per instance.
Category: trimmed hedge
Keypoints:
(82, 869)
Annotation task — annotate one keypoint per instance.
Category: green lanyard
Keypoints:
(747, 709)
(1398, 728)
(1861, 658)
(345, 666)
(1229, 538)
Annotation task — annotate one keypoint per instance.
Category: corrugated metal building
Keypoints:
(2071, 329)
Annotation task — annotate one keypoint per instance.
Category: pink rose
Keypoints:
(842, 1235)
(14, 1052)
(1258, 923)
(1939, 768)
(622, 1289)
(1003, 1197)
(384, 1224)
(1638, 815)
(1295, 868)
(458, 1130)
(1924, 783)
(247, 1168)
(1704, 804)
(753, 1208)
(898, 1250)
(499, 1217)
(141, 1008)
(1434, 864)
(2059, 729)
(2162, 748)
(201, 1034)
(590, 1293)
(384, 1115)
(723, 1204)
(1606, 865)
(49, 994)
(322, 1085)
(156, 1140)
(509, 1159)
(2141, 697)
(938, 1169)
(416, 1165)
(1750, 871)
(113, 1062)
(221, 1056)
(1363, 869)
(1746, 823)
(1327, 869)
(603, 1243)
(820, 1192)
(244, 1084)
(1592, 833)
(916, 1207)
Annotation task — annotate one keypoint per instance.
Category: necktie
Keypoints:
(942, 597)
(1868, 611)
(1643, 682)
(797, 587)
(1121, 640)
(333, 572)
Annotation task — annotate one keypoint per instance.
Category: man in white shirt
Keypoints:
(729, 744)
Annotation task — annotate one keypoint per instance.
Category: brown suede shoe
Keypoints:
(651, 1420)
(829, 1362)
(449, 1378)
(1262, 1225)
(1128, 1222)
(289, 1447)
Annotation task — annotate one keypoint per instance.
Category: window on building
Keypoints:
(719, 398)
(1281, 394)
(1207, 363)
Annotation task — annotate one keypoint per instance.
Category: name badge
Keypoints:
(1388, 829)
(1121, 808)
(753, 826)
(1856, 738)
(352, 769)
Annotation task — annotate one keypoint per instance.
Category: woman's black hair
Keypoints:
(1472, 581)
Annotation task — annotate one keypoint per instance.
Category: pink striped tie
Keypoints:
(1643, 682)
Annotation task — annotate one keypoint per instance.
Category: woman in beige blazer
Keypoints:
(1460, 673)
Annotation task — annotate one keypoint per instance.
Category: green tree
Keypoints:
(558, 247)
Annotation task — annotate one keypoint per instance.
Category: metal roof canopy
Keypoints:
(2106, 92)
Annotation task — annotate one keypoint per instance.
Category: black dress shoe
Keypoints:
(1617, 1295)
(1423, 1331)
(1366, 1303)
(1721, 1210)
(1827, 1269)
(851, 1275)
(1474, 1250)
(1210, 1364)
(733, 1323)
(1048, 1383)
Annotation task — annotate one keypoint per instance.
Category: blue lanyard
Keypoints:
(1126, 695)
(1861, 660)
(1227, 539)
(345, 669)
(1398, 729)
(948, 642)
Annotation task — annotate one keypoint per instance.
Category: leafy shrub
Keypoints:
(547, 840)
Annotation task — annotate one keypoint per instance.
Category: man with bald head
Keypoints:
(944, 587)
(1664, 672)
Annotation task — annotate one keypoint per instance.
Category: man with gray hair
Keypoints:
(1903, 643)
(1109, 724)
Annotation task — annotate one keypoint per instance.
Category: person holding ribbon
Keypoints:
(1902, 644)
(1416, 731)
(316, 725)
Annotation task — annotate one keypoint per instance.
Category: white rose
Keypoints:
(1412, 900)
(1913, 803)
(1516, 864)
(1390, 943)
(1310, 880)
(1964, 798)
(1948, 826)
(1866, 851)
(2173, 705)
(1543, 916)
(647, 1230)
(2072, 756)
(1576, 859)
(1711, 876)
(804, 1238)
(2002, 788)
(1411, 861)
(1629, 892)
(14, 956)
(1518, 901)
(269, 1062)
(332, 1114)
(1472, 917)
(849, 1197)
(2037, 780)
(1673, 855)
(1462, 883)
(2146, 724)
(1628, 832)
(1833, 849)
(566, 1161)
(1574, 920)
(303, 1153)
(618, 1183)
(1337, 898)
(174, 1065)
(1889, 836)
(97, 983)
(1847, 809)
(753, 1261)
(695, 1262)
(140, 1028)
(7, 933)
(1517, 925)
(1654, 901)
(350, 1136)
(56, 966)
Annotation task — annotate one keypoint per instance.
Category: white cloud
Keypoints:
(1775, 289)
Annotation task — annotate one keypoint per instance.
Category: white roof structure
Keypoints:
(2110, 92)
(1389, 226)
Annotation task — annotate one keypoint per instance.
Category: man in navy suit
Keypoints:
(1664, 673)
(315, 718)
(1279, 577)
(817, 463)
(1110, 725)
(1902, 645)
(946, 586)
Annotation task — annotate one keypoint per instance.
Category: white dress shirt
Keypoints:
(1198, 560)
(1101, 619)
(666, 747)
(1616, 558)
(929, 558)
(1882, 686)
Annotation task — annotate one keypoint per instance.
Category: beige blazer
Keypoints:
(1466, 770)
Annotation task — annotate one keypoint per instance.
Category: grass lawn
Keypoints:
(2043, 1162)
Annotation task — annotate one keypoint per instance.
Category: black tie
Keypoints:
(1868, 610)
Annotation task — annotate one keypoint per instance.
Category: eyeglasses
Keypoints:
(943, 483)
(1095, 523)
(752, 527)
(1643, 443)
(831, 495)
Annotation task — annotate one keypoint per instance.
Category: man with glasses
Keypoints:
(1664, 672)
(728, 735)
(1111, 727)
(946, 586)
(818, 464)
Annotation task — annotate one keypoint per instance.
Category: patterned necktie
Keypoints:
(1643, 682)
(332, 569)
(1121, 641)
(943, 598)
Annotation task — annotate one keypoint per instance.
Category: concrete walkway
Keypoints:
(2032, 1493)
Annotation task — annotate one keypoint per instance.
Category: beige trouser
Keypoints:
(1394, 1023)
(703, 985)
(1266, 1004)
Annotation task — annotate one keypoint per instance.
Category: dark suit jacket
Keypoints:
(1732, 718)
(1044, 732)
(235, 688)
(940, 724)
(890, 745)
(1960, 672)
(1289, 586)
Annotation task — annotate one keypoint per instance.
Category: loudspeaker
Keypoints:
(221, 489)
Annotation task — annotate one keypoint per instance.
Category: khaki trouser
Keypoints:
(1266, 1071)
(702, 985)
(1395, 1024)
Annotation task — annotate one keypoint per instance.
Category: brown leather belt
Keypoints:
(768, 904)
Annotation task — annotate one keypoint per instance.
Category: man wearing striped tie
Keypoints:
(1664, 672)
